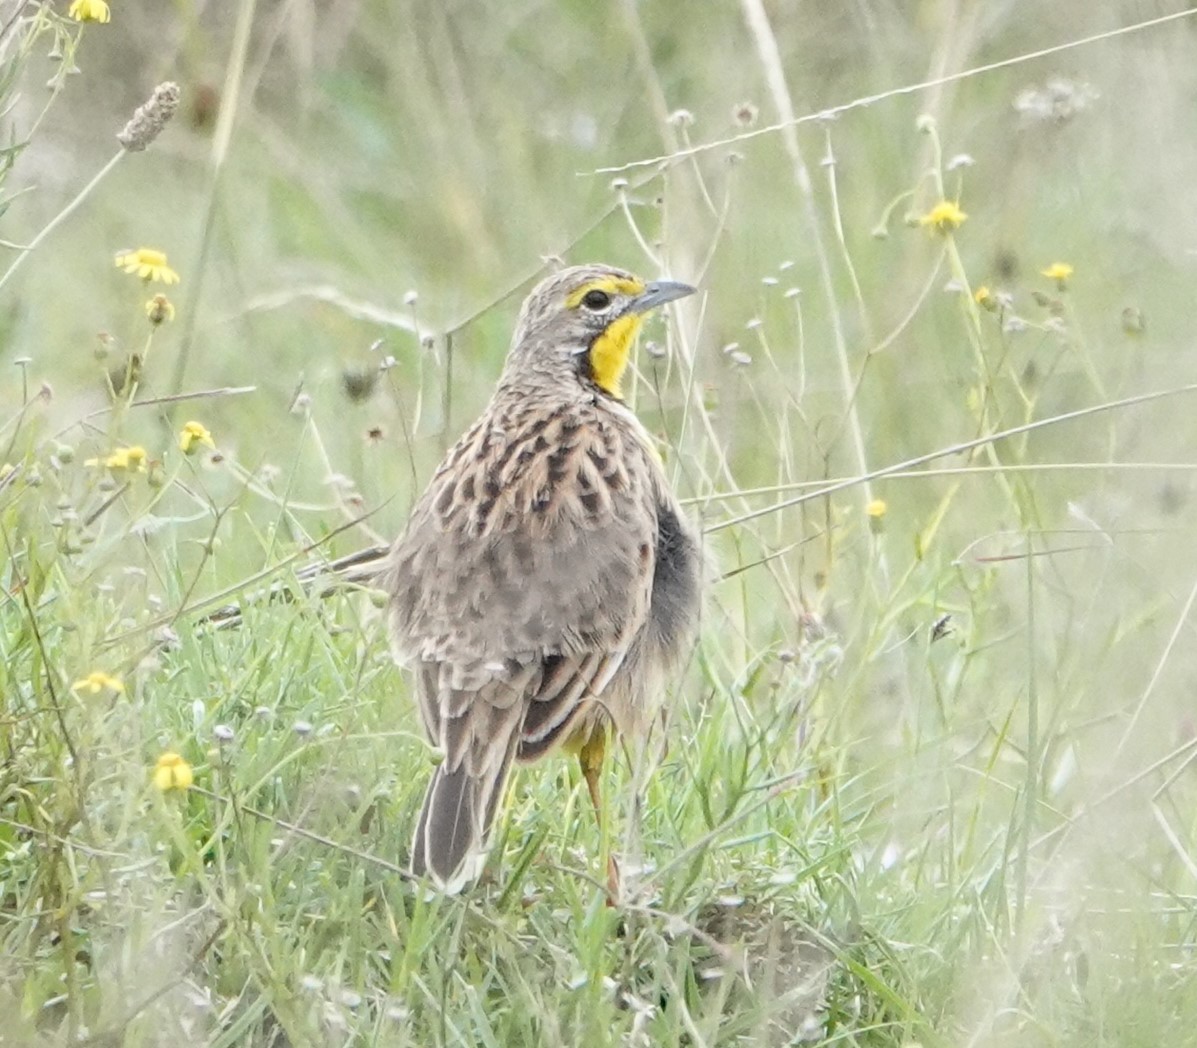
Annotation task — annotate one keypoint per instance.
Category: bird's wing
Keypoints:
(522, 582)
(525, 575)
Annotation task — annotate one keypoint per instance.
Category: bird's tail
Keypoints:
(453, 831)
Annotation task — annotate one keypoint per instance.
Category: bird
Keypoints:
(548, 580)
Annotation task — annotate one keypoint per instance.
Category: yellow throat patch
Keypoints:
(611, 350)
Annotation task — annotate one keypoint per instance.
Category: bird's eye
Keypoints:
(596, 300)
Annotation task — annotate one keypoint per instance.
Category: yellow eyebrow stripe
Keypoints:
(611, 285)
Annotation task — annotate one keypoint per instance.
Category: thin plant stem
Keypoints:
(27, 249)
(220, 149)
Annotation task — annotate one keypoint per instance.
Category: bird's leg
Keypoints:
(590, 757)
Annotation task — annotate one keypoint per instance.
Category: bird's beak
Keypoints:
(657, 294)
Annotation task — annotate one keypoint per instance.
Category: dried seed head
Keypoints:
(159, 309)
(1057, 101)
(745, 114)
(203, 106)
(1133, 322)
(150, 118)
(359, 384)
(105, 344)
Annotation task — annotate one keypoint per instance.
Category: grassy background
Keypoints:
(861, 832)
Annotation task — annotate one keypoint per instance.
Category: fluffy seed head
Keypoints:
(149, 120)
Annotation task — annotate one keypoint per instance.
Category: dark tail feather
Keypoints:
(453, 833)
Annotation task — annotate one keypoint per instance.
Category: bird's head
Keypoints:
(581, 323)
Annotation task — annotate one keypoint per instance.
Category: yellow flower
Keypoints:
(986, 299)
(89, 11)
(1059, 272)
(876, 511)
(132, 458)
(943, 217)
(96, 681)
(194, 433)
(172, 773)
(147, 264)
(159, 309)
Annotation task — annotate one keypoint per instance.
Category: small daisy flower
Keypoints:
(1059, 272)
(159, 309)
(875, 511)
(194, 433)
(172, 772)
(986, 299)
(89, 11)
(98, 681)
(148, 264)
(943, 217)
(132, 459)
